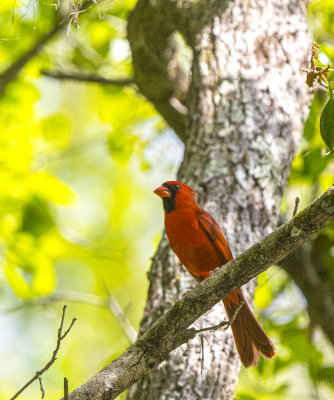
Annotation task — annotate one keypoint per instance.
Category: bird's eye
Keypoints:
(177, 187)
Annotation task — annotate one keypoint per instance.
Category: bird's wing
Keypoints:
(215, 235)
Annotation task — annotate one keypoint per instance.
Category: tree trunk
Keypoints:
(245, 113)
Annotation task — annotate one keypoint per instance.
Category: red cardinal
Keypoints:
(200, 245)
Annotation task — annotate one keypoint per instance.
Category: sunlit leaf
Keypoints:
(263, 294)
(17, 282)
(100, 35)
(50, 188)
(44, 275)
(121, 145)
(56, 129)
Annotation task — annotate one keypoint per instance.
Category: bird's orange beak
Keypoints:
(162, 191)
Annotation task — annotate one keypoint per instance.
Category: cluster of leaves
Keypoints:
(317, 75)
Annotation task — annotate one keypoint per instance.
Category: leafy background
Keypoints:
(79, 222)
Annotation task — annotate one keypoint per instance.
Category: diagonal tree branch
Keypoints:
(12, 71)
(82, 77)
(171, 330)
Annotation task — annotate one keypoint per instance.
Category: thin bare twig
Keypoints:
(118, 312)
(41, 387)
(227, 324)
(202, 351)
(65, 388)
(39, 373)
(110, 302)
(82, 77)
(61, 296)
(297, 201)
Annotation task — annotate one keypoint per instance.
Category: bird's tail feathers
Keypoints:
(249, 337)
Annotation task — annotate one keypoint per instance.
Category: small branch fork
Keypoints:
(227, 324)
(214, 328)
(39, 373)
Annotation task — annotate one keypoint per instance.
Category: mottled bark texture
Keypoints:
(245, 102)
(171, 330)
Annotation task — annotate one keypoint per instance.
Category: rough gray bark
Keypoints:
(246, 107)
(171, 330)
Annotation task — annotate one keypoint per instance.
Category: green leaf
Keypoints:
(327, 124)
(36, 217)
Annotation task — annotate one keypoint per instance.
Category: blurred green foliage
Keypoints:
(79, 220)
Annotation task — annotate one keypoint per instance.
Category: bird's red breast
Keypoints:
(194, 235)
